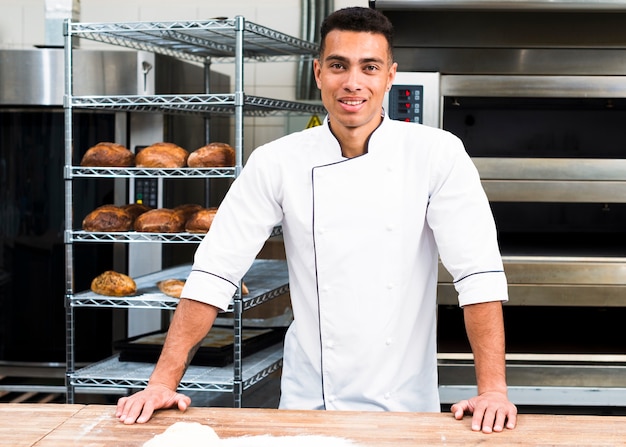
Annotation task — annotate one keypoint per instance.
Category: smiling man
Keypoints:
(368, 206)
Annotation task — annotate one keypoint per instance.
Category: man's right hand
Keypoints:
(140, 406)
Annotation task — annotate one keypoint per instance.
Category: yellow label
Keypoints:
(314, 121)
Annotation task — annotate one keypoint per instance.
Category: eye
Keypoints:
(336, 66)
(371, 68)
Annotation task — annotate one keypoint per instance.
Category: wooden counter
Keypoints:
(56, 425)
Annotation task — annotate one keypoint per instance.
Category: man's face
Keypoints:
(353, 74)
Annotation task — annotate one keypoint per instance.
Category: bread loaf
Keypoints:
(162, 155)
(135, 209)
(108, 218)
(111, 283)
(108, 155)
(214, 155)
(187, 210)
(171, 287)
(161, 220)
(200, 221)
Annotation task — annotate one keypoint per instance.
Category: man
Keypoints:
(367, 206)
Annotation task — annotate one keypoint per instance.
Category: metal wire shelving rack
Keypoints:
(202, 42)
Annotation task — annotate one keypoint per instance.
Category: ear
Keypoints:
(317, 68)
(392, 75)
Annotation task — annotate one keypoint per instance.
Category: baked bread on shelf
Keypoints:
(162, 155)
(108, 154)
(171, 287)
(200, 221)
(213, 155)
(108, 218)
(160, 220)
(112, 283)
(187, 210)
(135, 209)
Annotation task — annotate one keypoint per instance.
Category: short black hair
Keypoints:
(358, 19)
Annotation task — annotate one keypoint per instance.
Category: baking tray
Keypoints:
(217, 348)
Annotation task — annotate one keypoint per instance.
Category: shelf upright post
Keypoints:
(69, 254)
(238, 300)
(207, 127)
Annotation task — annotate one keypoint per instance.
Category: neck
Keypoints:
(353, 140)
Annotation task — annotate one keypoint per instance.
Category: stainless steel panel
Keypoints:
(560, 270)
(497, 5)
(505, 42)
(553, 191)
(36, 77)
(534, 86)
(513, 61)
(555, 281)
(553, 180)
(565, 295)
(491, 168)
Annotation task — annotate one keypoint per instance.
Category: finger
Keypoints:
(146, 413)
(477, 418)
(120, 406)
(133, 410)
(458, 409)
(488, 420)
(498, 425)
(512, 419)
(124, 407)
(184, 402)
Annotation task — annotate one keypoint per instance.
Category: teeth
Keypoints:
(352, 103)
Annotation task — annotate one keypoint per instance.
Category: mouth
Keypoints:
(352, 102)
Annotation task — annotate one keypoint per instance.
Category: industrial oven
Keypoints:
(537, 92)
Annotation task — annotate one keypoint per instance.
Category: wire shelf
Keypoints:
(267, 279)
(113, 373)
(254, 106)
(133, 172)
(138, 236)
(197, 41)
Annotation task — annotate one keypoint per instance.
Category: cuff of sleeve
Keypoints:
(482, 288)
(209, 288)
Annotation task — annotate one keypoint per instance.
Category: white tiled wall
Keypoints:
(22, 26)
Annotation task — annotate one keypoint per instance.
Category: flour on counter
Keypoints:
(194, 434)
(187, 434)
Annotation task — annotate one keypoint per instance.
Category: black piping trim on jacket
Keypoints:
(319, 311)
(317, 286)
(477, 273)
(213, 274)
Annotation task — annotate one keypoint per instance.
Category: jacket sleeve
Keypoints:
(242, 224)
(462, 222)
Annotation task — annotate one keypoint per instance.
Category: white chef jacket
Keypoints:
(362, 237)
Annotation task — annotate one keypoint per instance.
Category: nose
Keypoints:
(352, 80)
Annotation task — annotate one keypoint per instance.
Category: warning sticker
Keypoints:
(314, 121)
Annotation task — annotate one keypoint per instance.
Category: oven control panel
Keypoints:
(415, 97)
(406, 103)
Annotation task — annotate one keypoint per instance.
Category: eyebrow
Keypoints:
(337, 57)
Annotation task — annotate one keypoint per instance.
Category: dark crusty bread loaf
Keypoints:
(135, 209)
(161, 220)
(187, 210)
(162, 155)
(213, 155)
(107, 154)
(108, 218)
(200, 221)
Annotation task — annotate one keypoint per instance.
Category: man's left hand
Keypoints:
(491, 411)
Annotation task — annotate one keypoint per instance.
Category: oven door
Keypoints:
(553, 165)
(551, 152)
